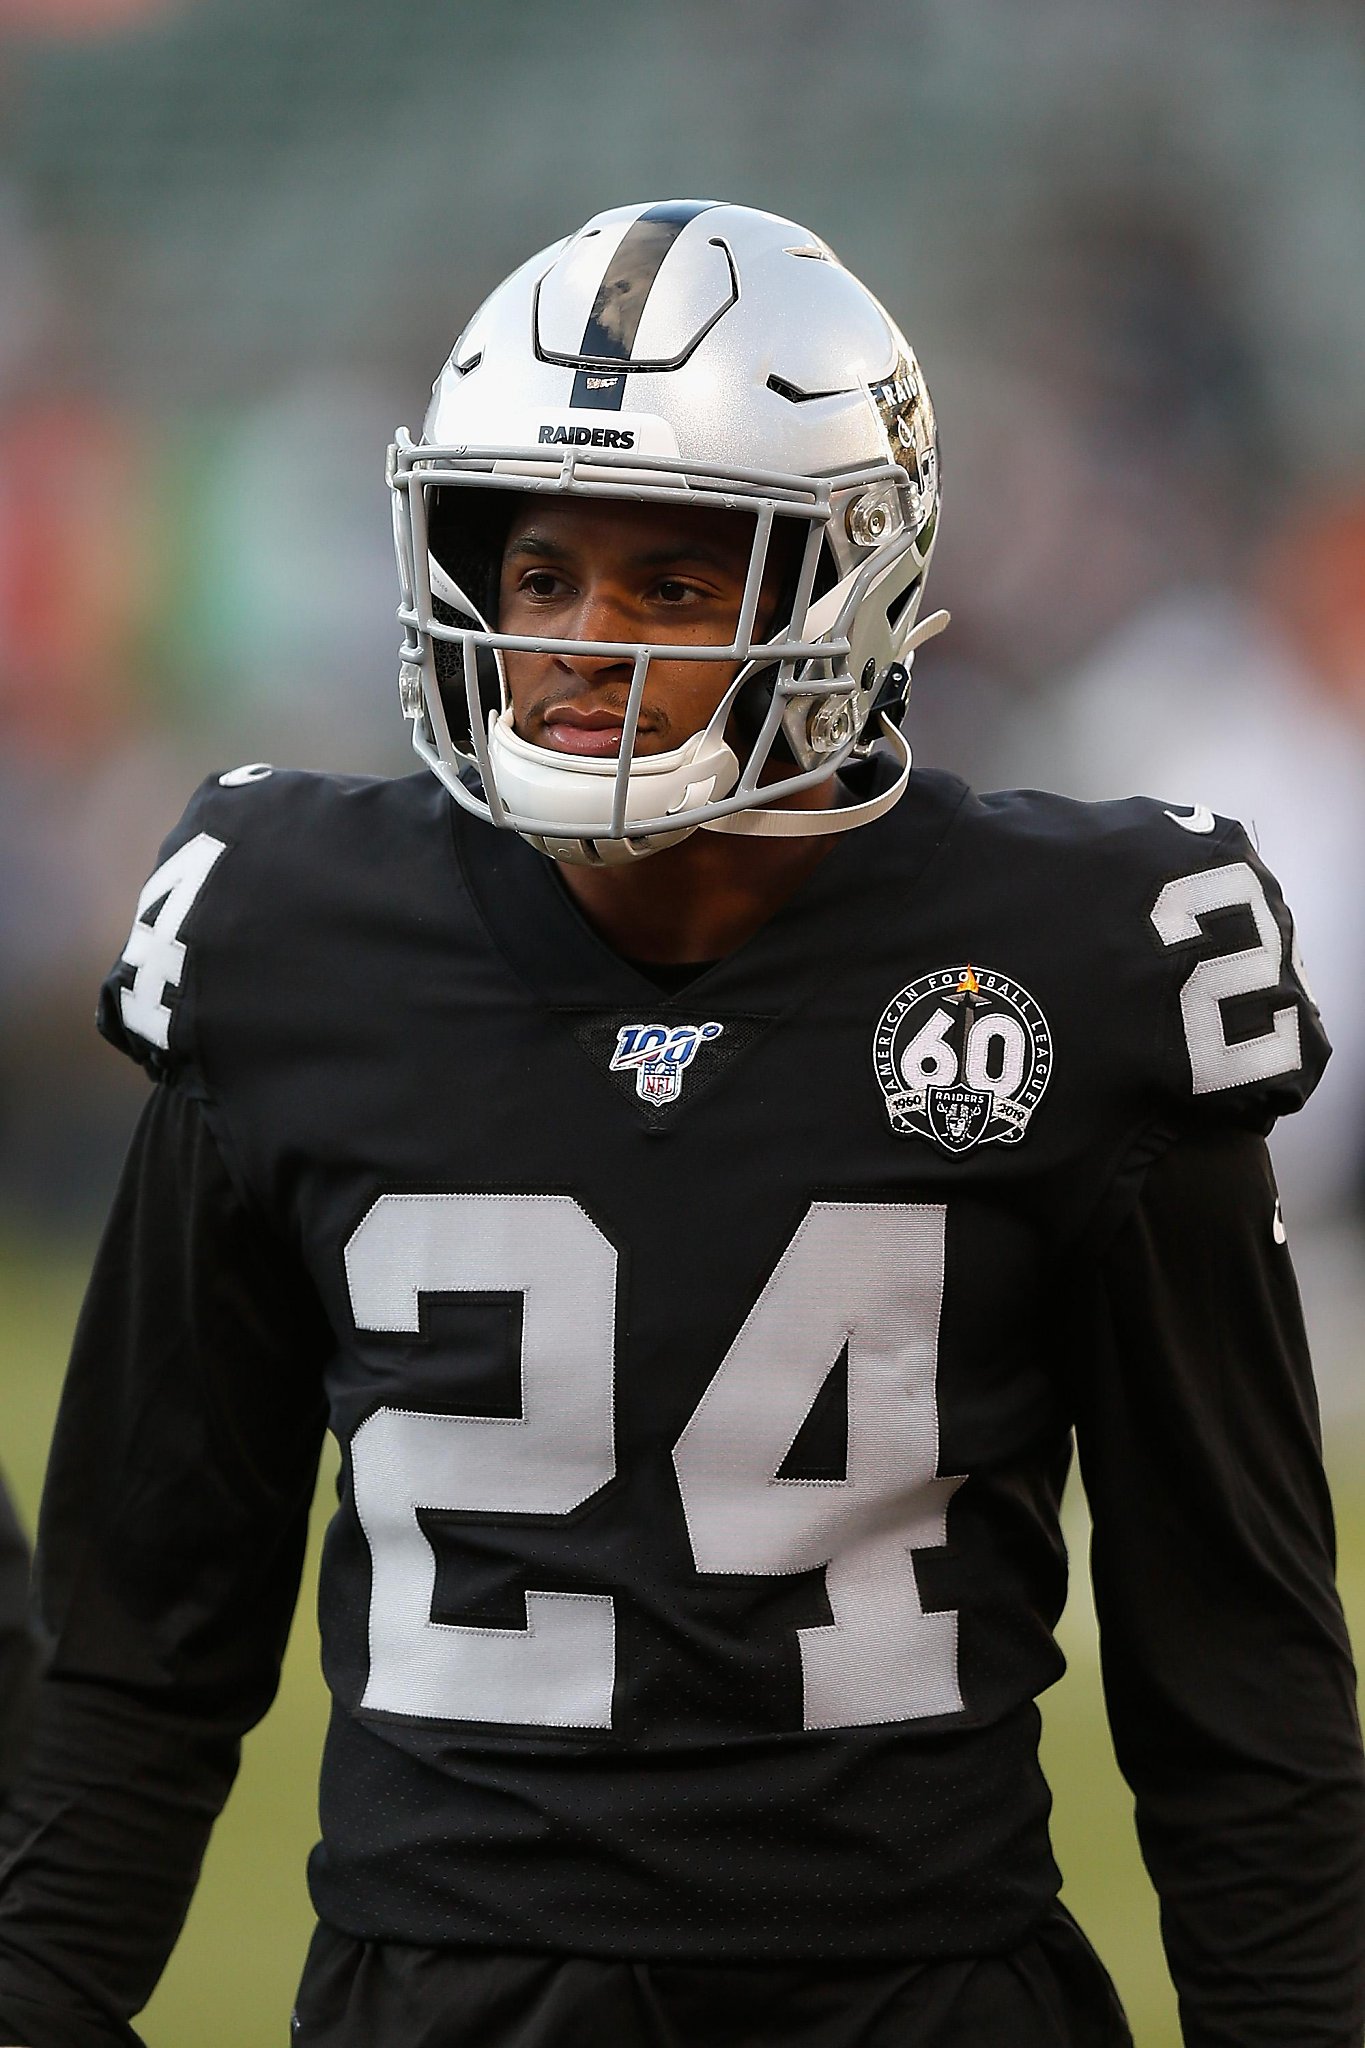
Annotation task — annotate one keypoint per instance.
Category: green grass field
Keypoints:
(230, 1983)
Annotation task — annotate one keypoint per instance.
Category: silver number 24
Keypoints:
(865, 1275)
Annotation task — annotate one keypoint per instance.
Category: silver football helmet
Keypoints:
(689, 353)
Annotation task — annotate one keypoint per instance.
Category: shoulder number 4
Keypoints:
(155, 948)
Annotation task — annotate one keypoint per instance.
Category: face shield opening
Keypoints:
(625, 629)
(752, 702)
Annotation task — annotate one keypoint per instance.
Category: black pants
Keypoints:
(1050, 1992)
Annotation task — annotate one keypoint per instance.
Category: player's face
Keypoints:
(595, 569)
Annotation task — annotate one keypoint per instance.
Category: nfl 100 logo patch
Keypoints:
(659, 1055)
(962, 1057)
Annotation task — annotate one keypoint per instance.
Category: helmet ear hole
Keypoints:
(899, 604)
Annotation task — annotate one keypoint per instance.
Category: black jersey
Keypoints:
(704, 1366)
(1050, 1991)
(18, 1649)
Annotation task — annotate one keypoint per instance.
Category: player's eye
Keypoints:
(672, 590)
(541, 583)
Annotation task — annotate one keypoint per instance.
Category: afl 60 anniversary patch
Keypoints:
(963, 1056)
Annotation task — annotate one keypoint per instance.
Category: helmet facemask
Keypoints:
(800, 704)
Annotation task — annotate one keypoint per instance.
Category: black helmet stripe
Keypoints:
(615, 317)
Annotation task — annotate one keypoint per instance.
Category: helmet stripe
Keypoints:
(615, 317)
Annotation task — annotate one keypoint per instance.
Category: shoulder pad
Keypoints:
(1179, 947)
(147, 1002)
(1242, 1039)
(267, 866)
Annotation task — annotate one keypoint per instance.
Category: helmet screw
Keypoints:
(869, 519)
(831, 727)
(410, 689)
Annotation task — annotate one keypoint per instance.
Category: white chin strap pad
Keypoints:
(604, 853)
(575, 793)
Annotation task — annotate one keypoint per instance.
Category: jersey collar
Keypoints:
(553, 950)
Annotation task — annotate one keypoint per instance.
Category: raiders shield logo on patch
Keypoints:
(962, 1057)
(958, 1116)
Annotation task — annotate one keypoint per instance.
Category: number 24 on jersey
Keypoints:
(882, 1658)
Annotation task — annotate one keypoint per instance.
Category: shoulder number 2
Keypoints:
(1216, 1062)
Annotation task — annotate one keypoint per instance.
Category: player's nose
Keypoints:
(599, 613)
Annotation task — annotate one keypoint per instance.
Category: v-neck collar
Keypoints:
(566, 964)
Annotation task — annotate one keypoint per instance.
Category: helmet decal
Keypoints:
(614, 320)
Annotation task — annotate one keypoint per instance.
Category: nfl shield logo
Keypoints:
(659, 1055)
(957, 1116)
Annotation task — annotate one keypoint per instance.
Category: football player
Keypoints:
(705, 1176)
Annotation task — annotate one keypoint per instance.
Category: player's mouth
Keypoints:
(570, 729)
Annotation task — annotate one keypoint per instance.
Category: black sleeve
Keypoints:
(1226, 1664)
(170, 1545)
(18, 1648)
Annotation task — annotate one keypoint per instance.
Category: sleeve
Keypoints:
(18, 1648)
(170, 1545)
(1227, 1668)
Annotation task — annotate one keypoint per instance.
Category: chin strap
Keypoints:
(781, 823)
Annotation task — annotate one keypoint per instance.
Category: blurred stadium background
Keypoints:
(237, 237)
